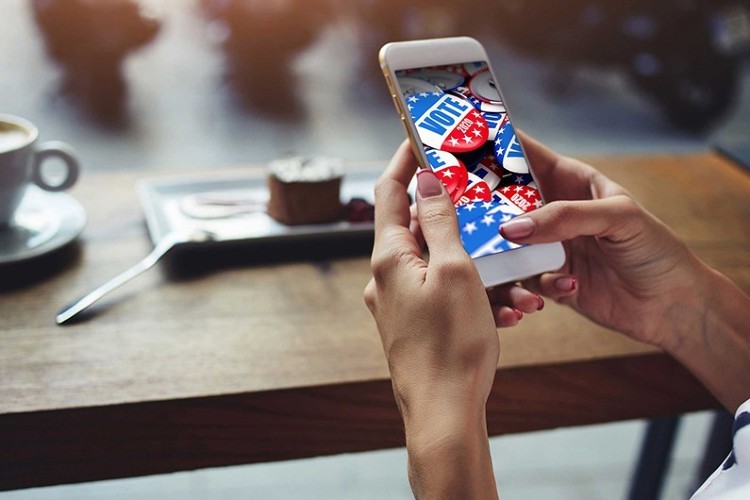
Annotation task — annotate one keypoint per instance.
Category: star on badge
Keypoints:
(488, 220)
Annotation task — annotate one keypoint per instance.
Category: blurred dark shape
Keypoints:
(359, 210)
(685, 54)
(32, 272)
(186, 263)
(260, 39)
(89, 39)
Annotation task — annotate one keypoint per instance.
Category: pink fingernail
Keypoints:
(541, 302)
(428, 185)
(520, 227)
(566, 283)
(519, 314)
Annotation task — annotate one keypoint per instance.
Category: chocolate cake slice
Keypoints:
(305, 190)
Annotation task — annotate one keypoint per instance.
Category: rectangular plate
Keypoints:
(738, 152)
(164, 203)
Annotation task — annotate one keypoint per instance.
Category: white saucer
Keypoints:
(44, 222)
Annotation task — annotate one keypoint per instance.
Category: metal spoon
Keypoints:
(168, 242)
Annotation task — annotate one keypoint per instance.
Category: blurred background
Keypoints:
(194, 85)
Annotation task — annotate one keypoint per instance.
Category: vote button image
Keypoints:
(522, 198)
(449, 169)
(476, 190)
(479, 223)
(447, 122)
(508, 150)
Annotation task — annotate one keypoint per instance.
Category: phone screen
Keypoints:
(471, 146)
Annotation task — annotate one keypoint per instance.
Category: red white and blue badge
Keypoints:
(494, 122)
(449, 169)
(523, 179)
(479, 224)
(487, 175)
(482, 85)
(447, 122)
(471, 159)
(476, 190)
(508, 150)
(521, 198)
(489, 170)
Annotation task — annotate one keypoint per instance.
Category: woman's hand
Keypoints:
(438, 328)
(625, 269)
(436, 321)
(434, 318)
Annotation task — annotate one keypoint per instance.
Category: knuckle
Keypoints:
(442, 214)
(382, 186)
(476, 348)
(379, 266)
(456, 269)
(383, 263)
(627, 206)
(370, 295)
(631, 217)
(563, 212)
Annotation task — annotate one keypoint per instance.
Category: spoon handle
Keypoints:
(162, 247)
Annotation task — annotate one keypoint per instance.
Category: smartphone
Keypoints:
(459, 126)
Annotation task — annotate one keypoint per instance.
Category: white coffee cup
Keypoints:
(21, 160)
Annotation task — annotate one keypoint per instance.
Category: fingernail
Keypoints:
(520, 227)
(541, 302)
(428, 185)
(566, 283)
(519, 314)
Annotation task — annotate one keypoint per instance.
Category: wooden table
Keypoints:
(271, 359)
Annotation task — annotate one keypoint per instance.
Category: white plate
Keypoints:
(43, 222)
(169, 203)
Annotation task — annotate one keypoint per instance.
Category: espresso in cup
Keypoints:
(21, 160)
(12, 136)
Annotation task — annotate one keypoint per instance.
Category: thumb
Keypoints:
(437, 216)
(616, 218)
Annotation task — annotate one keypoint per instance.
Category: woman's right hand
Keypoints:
(625, 269)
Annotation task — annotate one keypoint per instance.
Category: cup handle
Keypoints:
(60, 150)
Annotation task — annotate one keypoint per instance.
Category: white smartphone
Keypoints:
(459, 126)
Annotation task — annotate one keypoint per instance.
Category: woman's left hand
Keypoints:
(436, 321)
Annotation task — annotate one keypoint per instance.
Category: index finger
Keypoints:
(391, 198)
(393, 237)
(542, 159)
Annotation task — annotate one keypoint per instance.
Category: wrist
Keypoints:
(712, 339)
(422, 395)
(449, 454)
(684, 308)
(431, 430)
(441, 409)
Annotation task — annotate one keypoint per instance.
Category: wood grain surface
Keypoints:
(260, 354)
